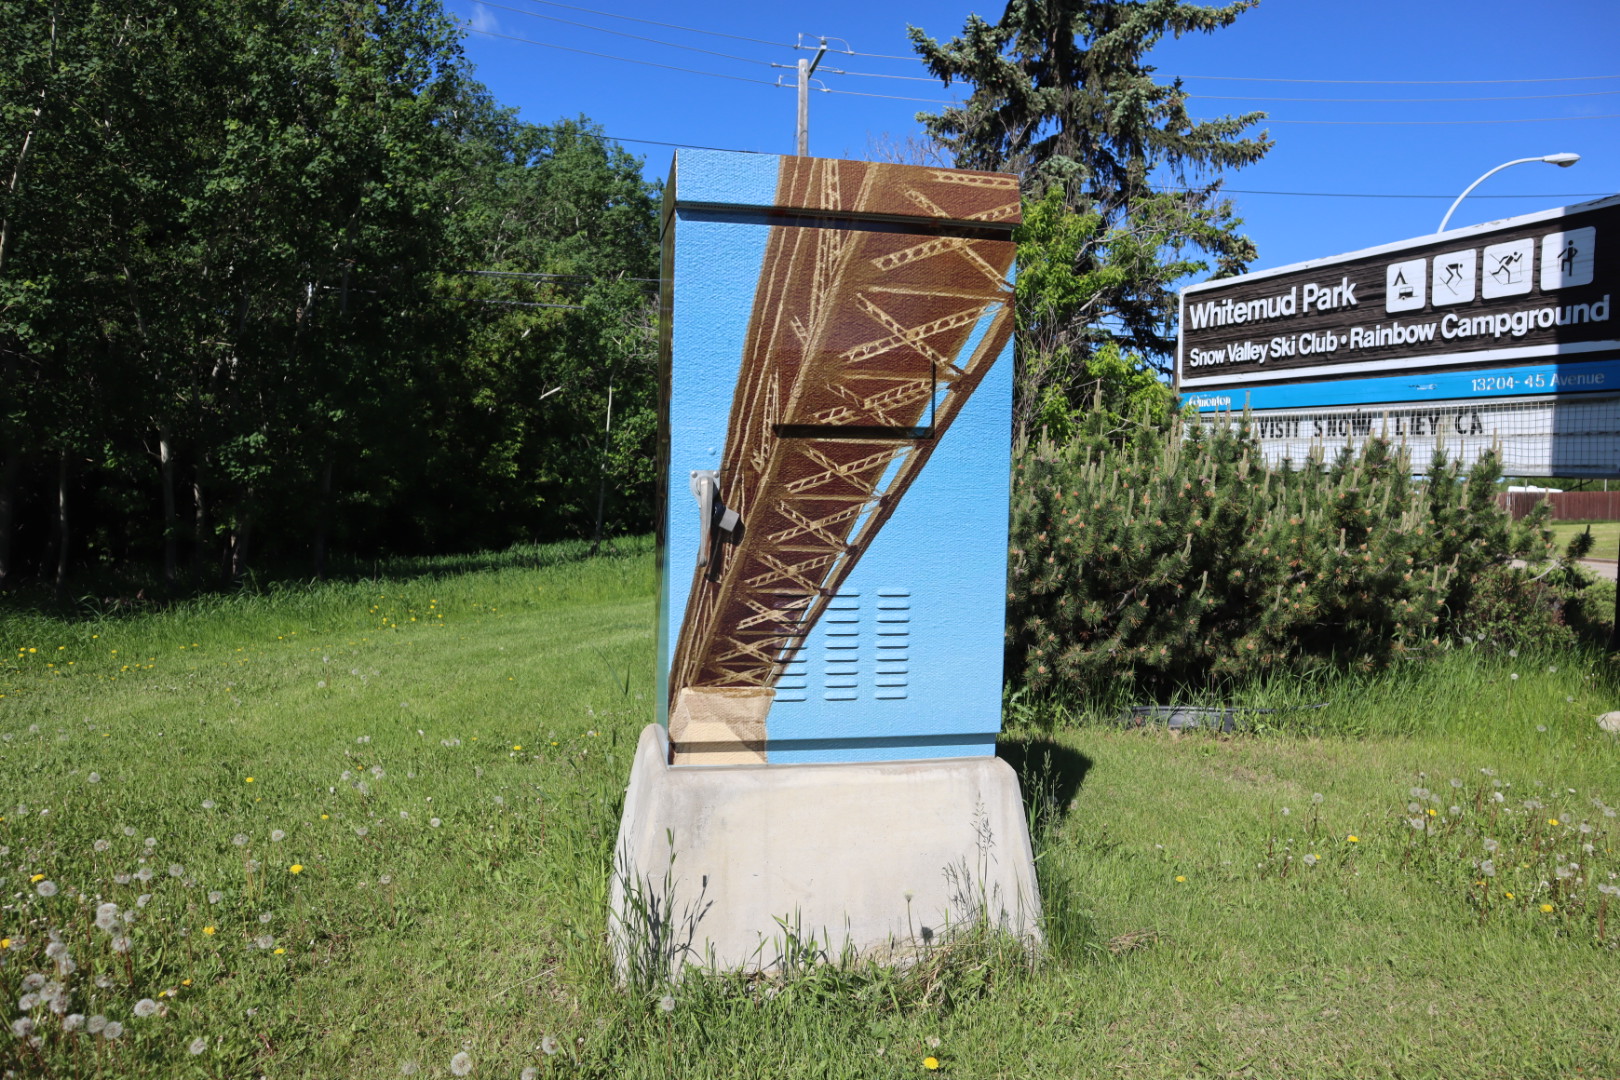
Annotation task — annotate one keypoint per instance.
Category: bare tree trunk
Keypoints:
(323, 517)
(199, 526)
(239, 540)
(171, 541)
(61, 521)
(10, 467)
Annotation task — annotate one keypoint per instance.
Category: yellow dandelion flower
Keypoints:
(280, 952)
(208, 930)
(325, 817)
(36, 879)
(1433, 811)
(249, 780)
(296, 868)
(1546, 909)
(930, 1063)
(1352, 839)
(517, 747)
(1552, 821)
(1180, 878)
(1508, 895)
(5, 943)
(185, 982)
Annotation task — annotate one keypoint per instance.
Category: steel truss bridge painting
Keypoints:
(883, 301)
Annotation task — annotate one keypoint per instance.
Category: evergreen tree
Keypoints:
(1063, 95)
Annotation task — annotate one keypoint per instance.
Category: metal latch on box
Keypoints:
(716, 520)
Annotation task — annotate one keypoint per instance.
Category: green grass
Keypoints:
(507, 711)
(1605, 536)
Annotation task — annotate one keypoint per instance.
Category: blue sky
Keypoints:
(1541, 79)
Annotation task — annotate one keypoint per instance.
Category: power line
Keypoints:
(624, 59)
(1423, 123)
(1406, 101)
(1337, 82)
(1403, 82)
(1382, 195)
(887, 97)
(665, 25)
(618, 33)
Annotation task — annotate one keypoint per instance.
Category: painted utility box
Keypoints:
(837, 366)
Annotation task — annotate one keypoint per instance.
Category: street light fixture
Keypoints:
(1563, 161)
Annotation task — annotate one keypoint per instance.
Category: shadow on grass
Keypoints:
(1049, 773)
(92, 598)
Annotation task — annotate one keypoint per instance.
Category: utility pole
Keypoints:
(806, 69)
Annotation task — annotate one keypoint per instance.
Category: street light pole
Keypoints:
(1563, 161)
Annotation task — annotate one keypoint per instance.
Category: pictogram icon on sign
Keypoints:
(1507, 268)
(1454, 277)
(1567, 258)
(1404, 285)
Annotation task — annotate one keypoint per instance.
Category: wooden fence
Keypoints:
(1566, 505)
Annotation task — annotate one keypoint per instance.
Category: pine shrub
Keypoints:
(1177, 558)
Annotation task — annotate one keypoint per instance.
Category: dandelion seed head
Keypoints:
(265, 916)
(1488, 868)
(96, 1024)
(143, 899)
(240, 839)
(101, 845)
(150, 842)
(407, 1068)
(73, 1021)
(144, 874)
(209, 804)
(461, 1064)
(215, 896)
(22, 1027)
(146, 1007)
(549, 1046)
(1316, 798)
(529, 1073)
(120, 943)
(46, 888)
(113, 1030)
(265, 941)
(198, 1045)
(277, 836)
(1311, 859)
(666, 1003)
(176, 870)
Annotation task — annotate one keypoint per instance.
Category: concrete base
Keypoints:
(759, 867)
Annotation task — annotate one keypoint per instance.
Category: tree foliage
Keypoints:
(1182, 559)
(279, 277)
(1063, 94)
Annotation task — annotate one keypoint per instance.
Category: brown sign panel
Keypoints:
(1542, 285)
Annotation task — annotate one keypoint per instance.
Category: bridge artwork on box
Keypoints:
(837, 357)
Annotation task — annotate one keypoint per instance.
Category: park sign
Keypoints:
(1463, 340)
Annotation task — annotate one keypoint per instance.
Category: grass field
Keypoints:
(1605, 536)
(361, 829)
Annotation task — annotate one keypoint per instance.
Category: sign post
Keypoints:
(834, 452)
